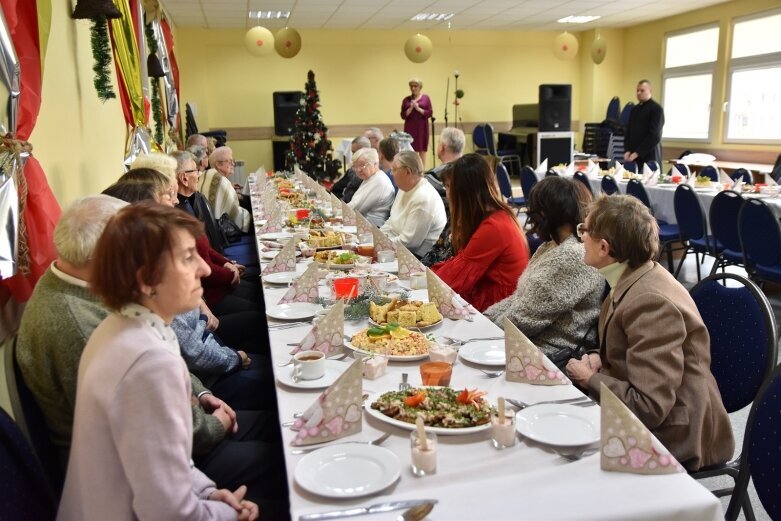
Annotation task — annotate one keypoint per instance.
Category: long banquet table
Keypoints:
(473, 480)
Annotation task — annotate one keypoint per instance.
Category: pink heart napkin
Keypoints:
(348, 215)
(408, 263)
(627, 445)
(525, 361)
(381, 241)
(363, 225)
(284, 261)
(336, 412)
(445, 298)
(276, 221)
(327, 335)
(305, 288)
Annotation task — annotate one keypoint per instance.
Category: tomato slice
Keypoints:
(415, 399)
(463, 396)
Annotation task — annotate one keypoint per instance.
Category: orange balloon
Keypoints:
(287, 42)
(259, 41)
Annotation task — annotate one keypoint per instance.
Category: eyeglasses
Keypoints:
(581, 229)
(189, 171)
(231, 161)
(360, 167)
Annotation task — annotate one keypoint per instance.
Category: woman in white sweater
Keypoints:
(374, 197)
(132, 433)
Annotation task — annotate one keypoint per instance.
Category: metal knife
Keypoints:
(372, 509)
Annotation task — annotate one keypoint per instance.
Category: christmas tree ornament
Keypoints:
(103, 9)
(259, 41)
(598, 49)
(287, 42)
(418, 48)
(565, 46)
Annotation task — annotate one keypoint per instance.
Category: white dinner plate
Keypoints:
(333, 370)
(347, 470)
(391, 358)
(260, 223)
(442, 431)
(281, 277)
(390, 267)
(276, 236)
(484, 352)
(271, 254)
(561, 425)
(704, 188)
(293, 311)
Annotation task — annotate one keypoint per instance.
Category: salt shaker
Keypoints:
(403, 386)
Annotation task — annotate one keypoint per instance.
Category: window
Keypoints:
(754, 104)
(689, 61)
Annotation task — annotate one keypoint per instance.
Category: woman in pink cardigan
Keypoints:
(132, 432)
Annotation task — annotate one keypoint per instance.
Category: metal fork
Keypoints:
(288, 325)
(578, 455)
(582, 401)
(378, 441)
(458, 342)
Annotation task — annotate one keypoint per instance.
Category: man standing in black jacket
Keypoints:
(644, 133)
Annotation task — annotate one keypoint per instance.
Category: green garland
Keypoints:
(101, 53)
(157, 108)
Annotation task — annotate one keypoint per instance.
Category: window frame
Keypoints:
(697, 69)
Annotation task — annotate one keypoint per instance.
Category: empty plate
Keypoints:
(276, 236)
(347, 470)
(293, 311)
(333, 369)
(562, 425)
(281, 277)
(271, 254)
(390, 267)
(484, 352)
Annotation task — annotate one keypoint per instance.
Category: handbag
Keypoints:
(230, 231)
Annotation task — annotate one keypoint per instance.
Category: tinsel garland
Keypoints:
(157, 107)
(101, 53)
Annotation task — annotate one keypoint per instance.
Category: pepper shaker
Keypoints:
(403, 386)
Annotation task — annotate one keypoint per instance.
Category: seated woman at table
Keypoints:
(490, 249)
(556, 301)
(132, 431)
(375, 195)
(654, 351)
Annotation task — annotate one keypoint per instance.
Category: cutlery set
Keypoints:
(377, 441)
(417, 510)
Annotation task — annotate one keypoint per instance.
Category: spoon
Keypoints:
(492, 374)
(416, 513)
(575, 456)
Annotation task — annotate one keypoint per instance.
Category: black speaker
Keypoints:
(555, 108)
(285, 106)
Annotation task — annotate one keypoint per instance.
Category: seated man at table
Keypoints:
(374, 135)
(375, 195)
(387, 149)
(418, 215)
(219, 191)
(654, 347)
(345, 187)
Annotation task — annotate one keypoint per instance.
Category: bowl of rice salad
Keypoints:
(392, 341)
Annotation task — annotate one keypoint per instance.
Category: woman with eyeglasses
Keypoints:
(375, 195)
(556, 302)
(490, 249)
(415, 111)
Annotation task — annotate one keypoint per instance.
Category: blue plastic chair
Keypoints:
(613, 109)
(723, 216)
(760, 240)
(509, 157)
(711, 172)
(506, 189)
(609, 185)
(623, 119)
(528, 180)
(669, 234)
(583, 179)
(479, 139)
(630, 166)
(693, 226)
(742, 174)
(760, 460)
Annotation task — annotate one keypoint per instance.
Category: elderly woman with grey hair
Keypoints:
(418, 215)
(375, 195)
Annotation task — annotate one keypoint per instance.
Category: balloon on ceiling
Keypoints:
(418, 48)
(598, 49)
(287, 42)
(565, 46)
(259, 41)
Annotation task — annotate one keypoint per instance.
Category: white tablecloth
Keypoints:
(475, 481)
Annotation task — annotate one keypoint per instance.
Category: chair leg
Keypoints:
(748, 510)
(680, 264)
(697, 262)
(716, 264)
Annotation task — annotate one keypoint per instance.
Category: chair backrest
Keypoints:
(528, 180)
(551, 173)
(479, 139)
(625, 113)
(31, 422)
(488, 130)
(711, 172)
(503, 178)
(582, 178)
(743, 336)
(609, 185)
(776, 172)
(613, 108)
(742, 174)
(760, 460)
(636, 189)
(24, 490)
(723, 217)
(760, 234)
(681, 168)
(630, 166)
(653, 165)
(689, 213)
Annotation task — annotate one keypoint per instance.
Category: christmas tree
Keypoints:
(310, 147)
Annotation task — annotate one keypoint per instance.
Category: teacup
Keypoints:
(386, 256)
(308, 365)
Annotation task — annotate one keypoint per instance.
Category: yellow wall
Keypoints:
(78, 140)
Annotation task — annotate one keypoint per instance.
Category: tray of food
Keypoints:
(336, 259)
(397, 343)
(406, 313)
(325, 239)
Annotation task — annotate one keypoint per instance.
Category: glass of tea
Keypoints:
(346, 287)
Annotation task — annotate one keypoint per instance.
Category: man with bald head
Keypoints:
(219, 191)
(643, 141)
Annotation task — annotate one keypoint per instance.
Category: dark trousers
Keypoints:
(250, 389)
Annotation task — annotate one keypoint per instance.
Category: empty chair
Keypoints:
(760, 240)
(479, 140)
(623, 119)
(528, 180)
(630, 166)
(609, 185)
(653, 165)
(506, 189)
(760, 460)
(723, 216)
(582, 178)
(693, 226)
(613, 109)
(710, 171)
(743, 175)
(681, 168)
(506, 156)
(669, 234)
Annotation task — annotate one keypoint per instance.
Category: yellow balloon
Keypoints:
(598, 50)
(418, 48)
(259, 41)
(565, 46)
(287, 42)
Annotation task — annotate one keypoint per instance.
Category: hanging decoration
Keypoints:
(95, 9)
(310, 147)
(598, 49)
(418, 48)
(165, 46)
(565, 46)
(155, 69)
(259, 41)
(287, 42)
(101, 54)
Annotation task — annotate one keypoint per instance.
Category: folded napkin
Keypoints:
(304, 289)
(724, 178)
(363, 225)
(543, 168)
(627, 445)
(268, 201)
(336, 412)
(691, 180)
(336, 203)
(737, 186)
(769, 181)
(284, 261)
(592, 169)
(348, 215)
(448, 303)
(275, 220)
(618, 174)
(327, 335)
(525, 361)
(570, 169)
(650, 177)
(408, 263)
(381, 241)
